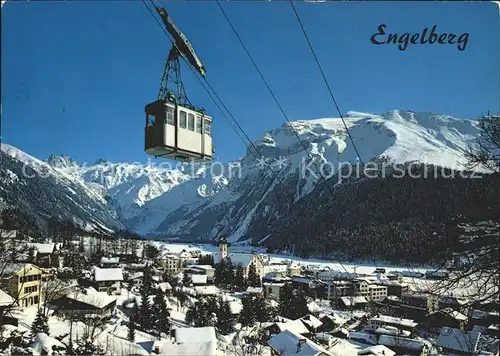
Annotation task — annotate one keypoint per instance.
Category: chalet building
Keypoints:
(453, 303)
(108, 280)
(23, 281)
(446, 317)
(289, 342)
(87, 304)
(48, 254)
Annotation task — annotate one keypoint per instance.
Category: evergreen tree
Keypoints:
(198, 314)
(262, 310)
(248, 314)
(253, 277)
(298, 306)
(219, 272)
(286, 296)
(225, 318)
(239, 278)
(161, 314)
(145, 310)
(186, 279)
(40, 324)
(131, 330)
(133, 319)
(31, 254)
(228, 272)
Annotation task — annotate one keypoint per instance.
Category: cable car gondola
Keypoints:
(175, 128)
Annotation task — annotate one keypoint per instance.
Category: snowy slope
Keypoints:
(242, 199)
(249, 204)
(43, 191)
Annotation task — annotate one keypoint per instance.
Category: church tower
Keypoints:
(223, 248)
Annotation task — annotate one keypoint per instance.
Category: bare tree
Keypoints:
(477, 273)
(247, 343)
(487, 151)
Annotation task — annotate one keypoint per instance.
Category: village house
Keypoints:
(446, 317)
(289, 342)
(384, 320)
(207, 270)
(23, 282)
(88, 303)
(417, 305)
(108, 280)
(48, 254)
(6, 305)
(170, 263)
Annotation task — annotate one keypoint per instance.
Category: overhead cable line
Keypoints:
(205, 81)
(274, 97)
(324, 78)
(280, 107)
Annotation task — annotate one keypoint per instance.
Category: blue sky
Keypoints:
(76, 75)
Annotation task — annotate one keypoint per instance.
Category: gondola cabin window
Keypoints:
(182, 119)
(208, 127)
(170, 115)
(191, 122)
(198, 123)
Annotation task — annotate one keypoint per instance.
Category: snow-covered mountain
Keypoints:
(43, 191)
(243, 199)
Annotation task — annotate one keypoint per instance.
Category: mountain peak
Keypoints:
(61, 161)
(101, 161)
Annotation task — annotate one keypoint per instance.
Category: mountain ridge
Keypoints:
(200, 203)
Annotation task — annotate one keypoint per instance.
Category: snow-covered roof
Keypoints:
(5, 299)
(44, 248)
(108, 274)
(92, 297)
(403, 342)
(312, 321)
(452, 313)
(337, 274)
(236, 306)
(458, 340)
(394, 320)
(289, 343)
(135, 275)
(355, 300)
(199, 278)
(18, 268)
(391, 330)
(297, 326)
(110, 260)
(43, 344)
(237, 258)
(377, 350)
(314, 307)
(190, 335)
(164, 286)
(254, 290)
(206, 290)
